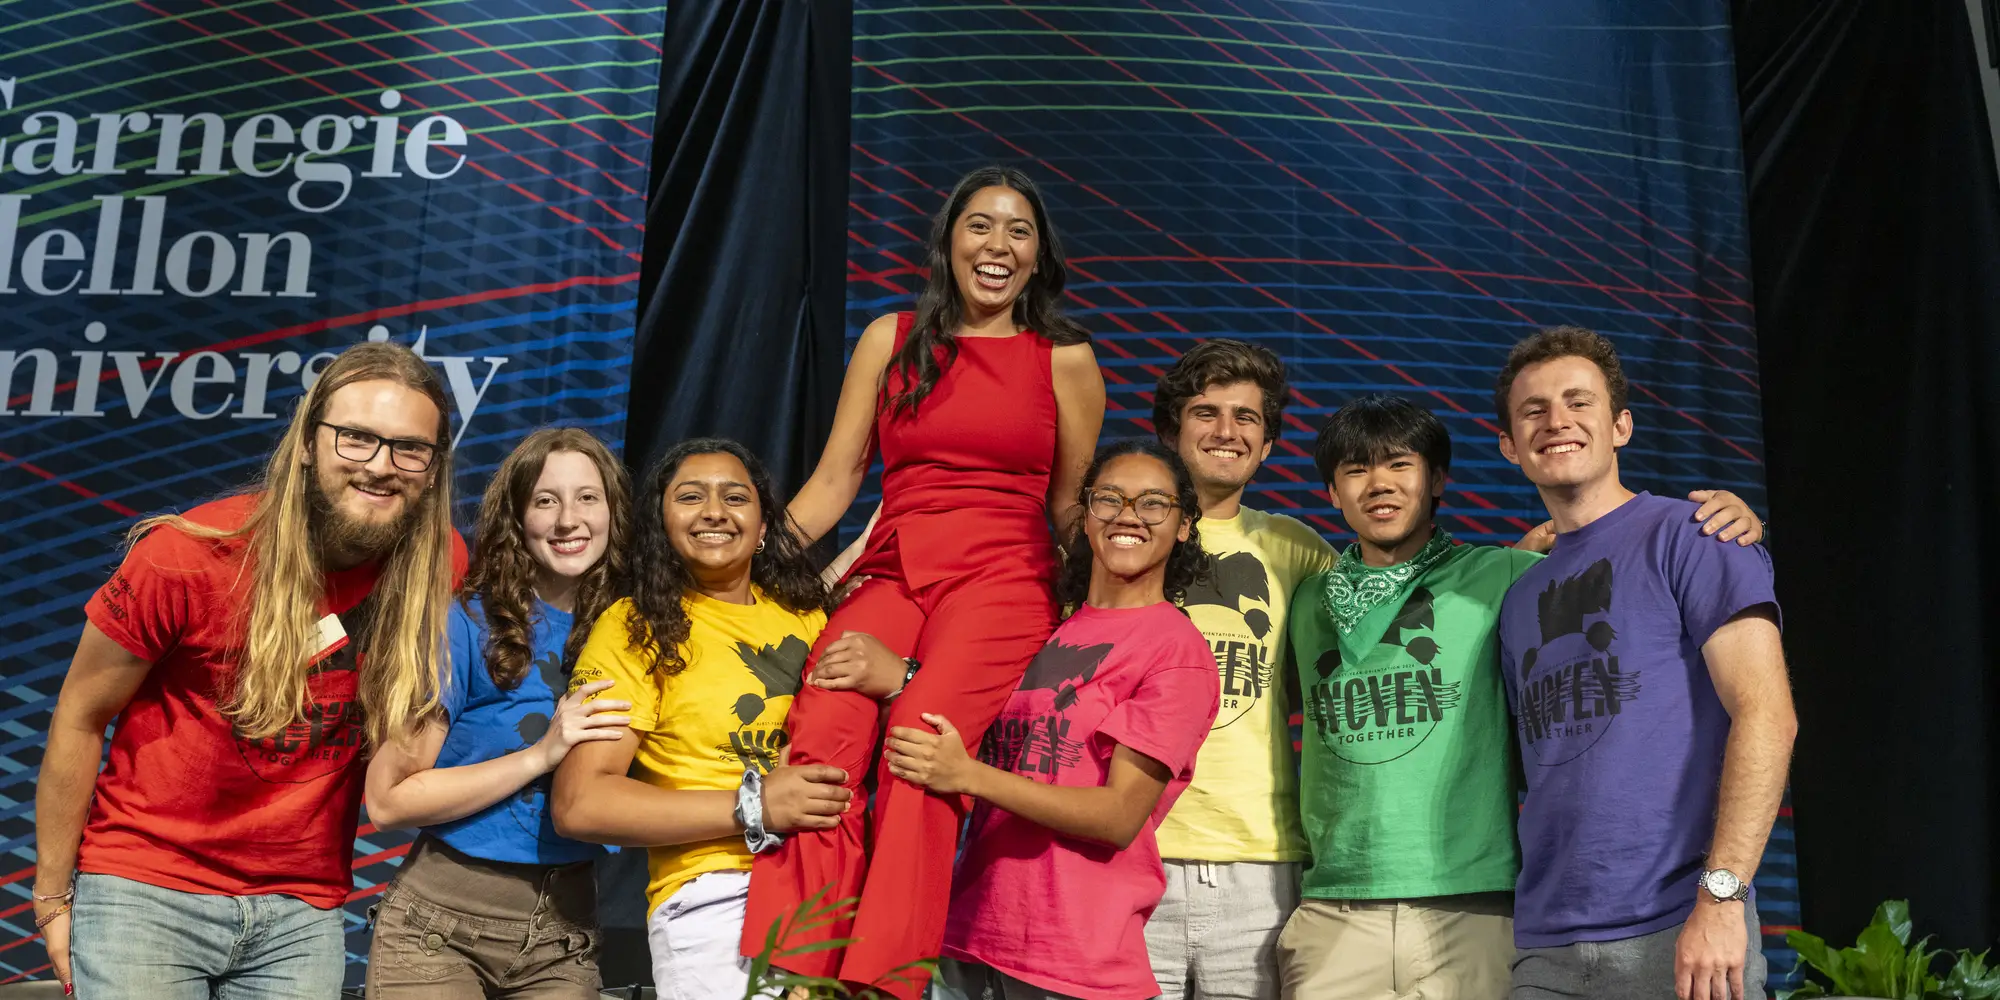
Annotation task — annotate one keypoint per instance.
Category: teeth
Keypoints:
(996, 270)
(376, 491)
(570, 546)
(1127, 541)
(1561, 449)
(1226, 453)
(1381, 509)
(711, 536)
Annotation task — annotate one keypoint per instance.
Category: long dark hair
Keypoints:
(657, 620)
(1185, 564)
(503, 573)
(941, 309)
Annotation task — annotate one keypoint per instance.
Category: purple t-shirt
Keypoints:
(1620, 729)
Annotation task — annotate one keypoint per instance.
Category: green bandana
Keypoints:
(1355, 588)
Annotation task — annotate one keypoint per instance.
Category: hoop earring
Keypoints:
(760, 547)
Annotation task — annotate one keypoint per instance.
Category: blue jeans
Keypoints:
(133, 940)
(1640, 968)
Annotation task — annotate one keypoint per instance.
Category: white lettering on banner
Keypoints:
(205, 384)
(50, 260)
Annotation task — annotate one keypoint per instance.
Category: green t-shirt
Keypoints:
(1408, 786)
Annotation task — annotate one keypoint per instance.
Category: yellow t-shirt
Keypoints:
(1243, 803)
(699, 728)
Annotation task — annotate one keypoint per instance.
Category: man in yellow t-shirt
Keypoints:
(1232, 844)
(712, 733)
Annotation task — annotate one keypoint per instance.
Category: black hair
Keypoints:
(1373, 427)
(941, 308)
(1185, 563)
(657, 619)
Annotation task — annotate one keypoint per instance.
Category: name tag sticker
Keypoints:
(332, 636)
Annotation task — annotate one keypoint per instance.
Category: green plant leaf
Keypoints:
(1895, 913)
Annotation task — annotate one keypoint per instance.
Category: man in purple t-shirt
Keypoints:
(1647, 679)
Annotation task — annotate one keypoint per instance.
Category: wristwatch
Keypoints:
(1722, 885)
(908, 676)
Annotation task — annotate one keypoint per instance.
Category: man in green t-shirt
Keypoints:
(1407, 793)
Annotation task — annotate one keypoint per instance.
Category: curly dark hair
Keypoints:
(1220, 361)
(657, 620)
(1185, 564)
(1550, 344)
(502, 573)
(941, 306)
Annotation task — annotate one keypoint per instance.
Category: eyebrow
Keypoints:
(988, 216)
(704, 482)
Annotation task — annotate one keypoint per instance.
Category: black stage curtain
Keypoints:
(1875, 237)
(741, 288)
(743, 278)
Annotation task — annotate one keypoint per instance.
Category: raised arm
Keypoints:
(102, 679)
(405, 787)
(843, 463)
(1079, 385)
(594, 800)
(1746, 661)
(1112, 813)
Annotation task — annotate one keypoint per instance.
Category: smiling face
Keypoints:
(1388, 502)
(1124, 545)
(1223, 437)
(362, 508)
(994, 242)
(567, 521)
(1564, 431)
(712, 516)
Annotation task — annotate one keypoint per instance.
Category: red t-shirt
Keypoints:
(1052, 911)
(183, 803)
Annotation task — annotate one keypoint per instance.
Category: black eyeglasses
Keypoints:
(361, 447)
(1106, 505)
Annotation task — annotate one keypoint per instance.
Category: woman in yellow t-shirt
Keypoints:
(709, 649)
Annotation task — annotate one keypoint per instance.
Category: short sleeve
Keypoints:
(464, 645)
(153, 594)
(1714, 580)
(1156, 720)
(606, 656)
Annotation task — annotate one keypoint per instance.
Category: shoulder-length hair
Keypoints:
(1185, 563)
(503, 573)
(657, 619)
(277, 631)
(941, 308)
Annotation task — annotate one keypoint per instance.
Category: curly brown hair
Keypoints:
(1219, 361)
(1550, 344)
(502, 574)
(657, 621)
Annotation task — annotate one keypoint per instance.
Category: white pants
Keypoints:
(694, 938)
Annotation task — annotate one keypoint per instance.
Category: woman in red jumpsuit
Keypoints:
(986, 403)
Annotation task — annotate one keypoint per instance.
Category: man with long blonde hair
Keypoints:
(250, 651)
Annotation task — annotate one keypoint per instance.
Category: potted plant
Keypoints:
(1883, 963)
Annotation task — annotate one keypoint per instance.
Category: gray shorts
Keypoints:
(1640, 968)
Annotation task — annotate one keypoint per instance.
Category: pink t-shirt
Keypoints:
(1064, 914)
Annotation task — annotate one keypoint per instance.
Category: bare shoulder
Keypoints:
(1074, 364)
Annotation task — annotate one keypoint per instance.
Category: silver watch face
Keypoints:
(1721, 884)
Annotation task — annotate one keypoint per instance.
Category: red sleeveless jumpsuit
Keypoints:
(960, 569)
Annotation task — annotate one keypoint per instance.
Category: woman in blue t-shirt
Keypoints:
(491, 902)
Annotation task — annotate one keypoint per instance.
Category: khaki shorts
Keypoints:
(1440, 948)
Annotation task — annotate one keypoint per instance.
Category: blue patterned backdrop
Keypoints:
(1389, 195)
(515, 269)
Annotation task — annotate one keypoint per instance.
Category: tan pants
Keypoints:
(1442, 948)
(453, 927)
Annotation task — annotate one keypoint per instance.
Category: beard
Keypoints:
(359, 540)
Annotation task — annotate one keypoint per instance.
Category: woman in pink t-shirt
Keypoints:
(1061, 868)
